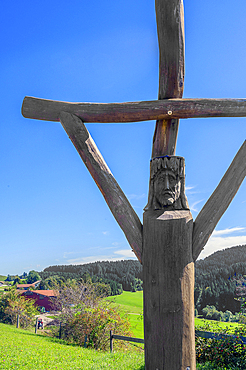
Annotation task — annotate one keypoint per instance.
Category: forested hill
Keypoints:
(128, 273)
(226, 257)
(217, 278)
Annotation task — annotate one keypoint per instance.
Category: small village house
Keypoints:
(42, 298)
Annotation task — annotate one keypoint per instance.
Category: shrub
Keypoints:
(84, 313)
(13, 304)
(229, 352)
(95, 324)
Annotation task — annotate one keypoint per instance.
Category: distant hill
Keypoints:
(213, 278)
(2, 277)
(228, 257)
(127, 273)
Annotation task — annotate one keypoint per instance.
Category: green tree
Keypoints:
(32, 277)
(13, 304)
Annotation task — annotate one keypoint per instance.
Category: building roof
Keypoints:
(21, 286)
(47, 293)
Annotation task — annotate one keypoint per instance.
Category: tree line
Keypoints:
(217, 280)
(220, 279)
(120, 275)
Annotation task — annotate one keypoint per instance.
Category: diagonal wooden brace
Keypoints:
(114, 196)
(219, 201)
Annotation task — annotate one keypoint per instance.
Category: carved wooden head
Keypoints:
(167, 184)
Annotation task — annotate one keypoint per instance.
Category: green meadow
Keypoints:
(215, 326)
(131, 304)
(21, 349)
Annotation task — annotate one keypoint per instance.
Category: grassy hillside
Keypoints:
(2, 277)
(20, 349)
(24, 350)
(129, 301)
(131, 304)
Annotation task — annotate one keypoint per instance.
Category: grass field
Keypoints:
(212, 325)
(21, 349)
(132, 304)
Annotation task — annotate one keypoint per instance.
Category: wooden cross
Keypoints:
(168, 242)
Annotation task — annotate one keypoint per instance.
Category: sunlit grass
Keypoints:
(132, 305)
(21, 349)
(216, 325)
(129, 301)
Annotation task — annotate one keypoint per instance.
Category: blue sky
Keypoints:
(106, 51)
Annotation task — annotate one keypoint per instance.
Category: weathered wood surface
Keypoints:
(114, 196)
(128, 339)
(49, 110)
(219, 201)
(168, 275)
(170, 28)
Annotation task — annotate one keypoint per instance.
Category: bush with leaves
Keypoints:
(227, 353)
(13, 304)
(83, 313)
(211, 313)
(94, 325)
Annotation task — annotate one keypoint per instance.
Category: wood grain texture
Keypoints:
(219, 201)
(49, 110)
(168, 275)
(170, 29)
(114, 196)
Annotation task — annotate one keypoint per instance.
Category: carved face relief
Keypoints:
(167, 184)
(167, 187)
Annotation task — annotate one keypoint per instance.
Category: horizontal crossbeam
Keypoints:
(49, 110)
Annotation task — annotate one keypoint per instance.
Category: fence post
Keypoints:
(85, 342)
(18, 321)
(60, 331)
(36, 325)
(111, 341)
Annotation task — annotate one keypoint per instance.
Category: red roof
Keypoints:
(47, 293)
(19, 286)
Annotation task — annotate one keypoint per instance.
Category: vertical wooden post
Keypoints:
(168, 267)
(168, 272)
(60, 330)
(111, 341)
(85, 341)
(36, 325)
(18, 321)
(170, 27)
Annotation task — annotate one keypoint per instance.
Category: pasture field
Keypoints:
(132, 305)
(21, 349)
(215, 326)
